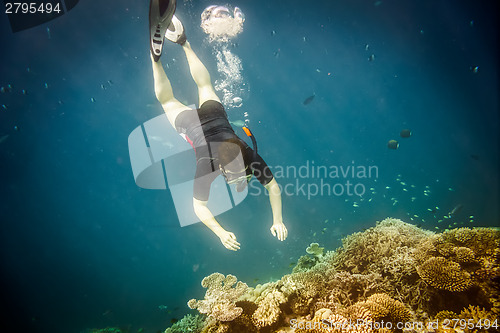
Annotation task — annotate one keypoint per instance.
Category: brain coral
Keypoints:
(220, 297)
(444, 274)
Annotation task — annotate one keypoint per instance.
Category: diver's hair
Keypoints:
(230, 149)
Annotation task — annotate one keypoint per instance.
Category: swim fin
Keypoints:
(175, 32)
(160, 18)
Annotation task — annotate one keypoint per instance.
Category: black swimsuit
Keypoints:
(204, 128)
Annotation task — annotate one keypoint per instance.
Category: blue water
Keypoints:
(84, 247)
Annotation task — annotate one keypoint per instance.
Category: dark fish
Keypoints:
(406, 133)
(173, 320)
(309, 99)
(393, 144)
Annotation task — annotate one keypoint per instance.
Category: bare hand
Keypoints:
(279, 230)
(228, 239)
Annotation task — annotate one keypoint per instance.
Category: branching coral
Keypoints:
(189, 323)
(441, 273)
(220, 297)
(362, 251)
(346, 288)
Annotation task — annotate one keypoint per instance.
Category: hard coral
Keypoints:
(189, 323)
(464, 254)
(441, 273)
(268, 310)
(381, 306)
(220, 297)
(315, 250)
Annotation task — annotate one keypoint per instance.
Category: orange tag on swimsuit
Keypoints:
(247, 131)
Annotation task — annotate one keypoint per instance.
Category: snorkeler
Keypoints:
(218, 149)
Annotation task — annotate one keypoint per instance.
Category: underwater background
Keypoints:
(84, 247)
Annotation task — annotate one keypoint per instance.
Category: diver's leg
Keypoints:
(165, 94)
(200, 76)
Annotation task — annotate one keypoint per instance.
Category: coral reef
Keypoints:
(220, 297)
(444, 274)
(393, 273)
(188, 323)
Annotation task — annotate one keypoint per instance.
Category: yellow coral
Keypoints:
(464, 254)
(441, 273)
(396, 311)
(268, 310)
(326, 321)
(480, 318)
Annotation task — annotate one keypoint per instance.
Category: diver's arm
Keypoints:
(278, 229)
(228, 239)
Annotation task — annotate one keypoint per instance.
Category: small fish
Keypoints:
(405, 189)
(403, 183)
(48, 33)
(110, 82)
(3, 138)
(450, 189)
(2, 90)
(371, 57)
(103, 87)
(413, 199)
(4, 106)
(387, 187)
(237, 123)
(273, 33)
(406, 133)
(46, 85)
(367, 46)
(309, 99)
(276, 54)
(92, 99)
(24, 92)
(162, 307)
(370, 199)
(475, 69)
(355, 205)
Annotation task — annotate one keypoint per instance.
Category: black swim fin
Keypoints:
(160, 17)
